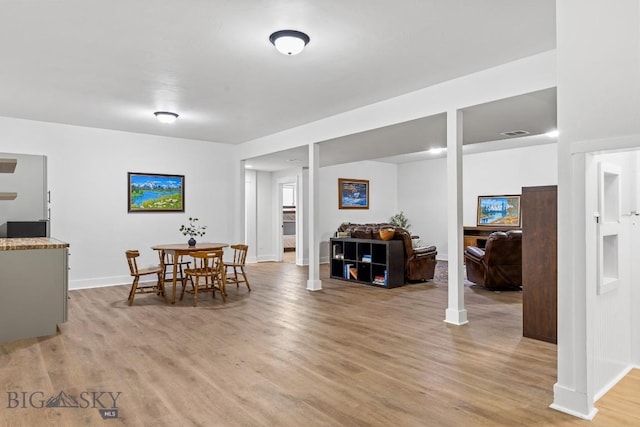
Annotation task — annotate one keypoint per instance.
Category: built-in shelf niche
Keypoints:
(8, 196)
(609, 227)
(8, 165)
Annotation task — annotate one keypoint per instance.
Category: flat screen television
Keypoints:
(499, 211)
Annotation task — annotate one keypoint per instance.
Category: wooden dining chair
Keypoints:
(167, 260)
(234, 271)
(145, 287)
(208, 266)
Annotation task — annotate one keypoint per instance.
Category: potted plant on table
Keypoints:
(192, 230)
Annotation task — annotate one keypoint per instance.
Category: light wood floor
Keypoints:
(349, 355)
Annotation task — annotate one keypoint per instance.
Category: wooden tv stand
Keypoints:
(478, 236)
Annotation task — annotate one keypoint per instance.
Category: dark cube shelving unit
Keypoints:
(370, 259)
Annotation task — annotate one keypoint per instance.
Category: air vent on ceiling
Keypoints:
(515, 133)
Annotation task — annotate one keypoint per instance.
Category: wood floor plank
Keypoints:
(348, 355)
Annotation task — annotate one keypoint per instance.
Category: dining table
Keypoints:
(181, 249)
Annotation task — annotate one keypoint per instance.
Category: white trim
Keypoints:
(625, 142)
(565, 398)
(612, 383)
(456, 317)
(314, 285)
(102, 282)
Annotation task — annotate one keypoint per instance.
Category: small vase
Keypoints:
(192, 242)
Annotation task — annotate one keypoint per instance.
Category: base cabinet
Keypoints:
(33, 285)
(372, 262)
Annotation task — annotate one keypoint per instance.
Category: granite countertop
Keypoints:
(11, 244)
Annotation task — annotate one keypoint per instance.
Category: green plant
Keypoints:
(193, 229)
(399, 220)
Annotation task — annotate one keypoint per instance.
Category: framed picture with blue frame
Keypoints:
(353, 193)
(153, 192)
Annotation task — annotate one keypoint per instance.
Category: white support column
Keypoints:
(572, 392)
(455, 314)
(241, 229)
(314, 283)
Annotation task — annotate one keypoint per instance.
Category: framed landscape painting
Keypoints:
(499, 211)
(353, 193)
(152, 192)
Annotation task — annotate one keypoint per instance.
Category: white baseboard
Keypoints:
(102, 282)
(314, 285)
(456, 317)
(612, 383)
(572, 402)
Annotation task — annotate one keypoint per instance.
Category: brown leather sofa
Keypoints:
(419, 263)
(499, 264)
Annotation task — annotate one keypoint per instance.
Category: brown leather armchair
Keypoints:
(499, 265)
(419, 263)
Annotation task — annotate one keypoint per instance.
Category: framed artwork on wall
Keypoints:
(353, 193)
(499, 211)
(153, 192)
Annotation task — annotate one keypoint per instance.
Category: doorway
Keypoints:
(289, 219)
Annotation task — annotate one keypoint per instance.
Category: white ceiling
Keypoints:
(483, 128)
(111, 64)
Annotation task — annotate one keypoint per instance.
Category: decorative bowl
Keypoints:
(387, 233)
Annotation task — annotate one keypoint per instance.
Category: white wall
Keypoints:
(422, 196)
(635, 268)
(251, 214)
(266, 250)
(383, 186)
(422, 187)
(87, 177)
(612, 315)
(598, 60)
(382, 203)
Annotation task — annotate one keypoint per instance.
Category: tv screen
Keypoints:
(499, 211)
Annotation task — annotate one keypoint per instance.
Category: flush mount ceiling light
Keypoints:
(165, 116)
(289, 42)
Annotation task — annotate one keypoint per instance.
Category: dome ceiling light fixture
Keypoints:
(289, 42)
(165, 116)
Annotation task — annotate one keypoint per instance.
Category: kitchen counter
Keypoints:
(11, 244)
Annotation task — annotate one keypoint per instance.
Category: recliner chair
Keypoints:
(499, 264)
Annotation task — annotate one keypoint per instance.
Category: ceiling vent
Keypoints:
(515, 133)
